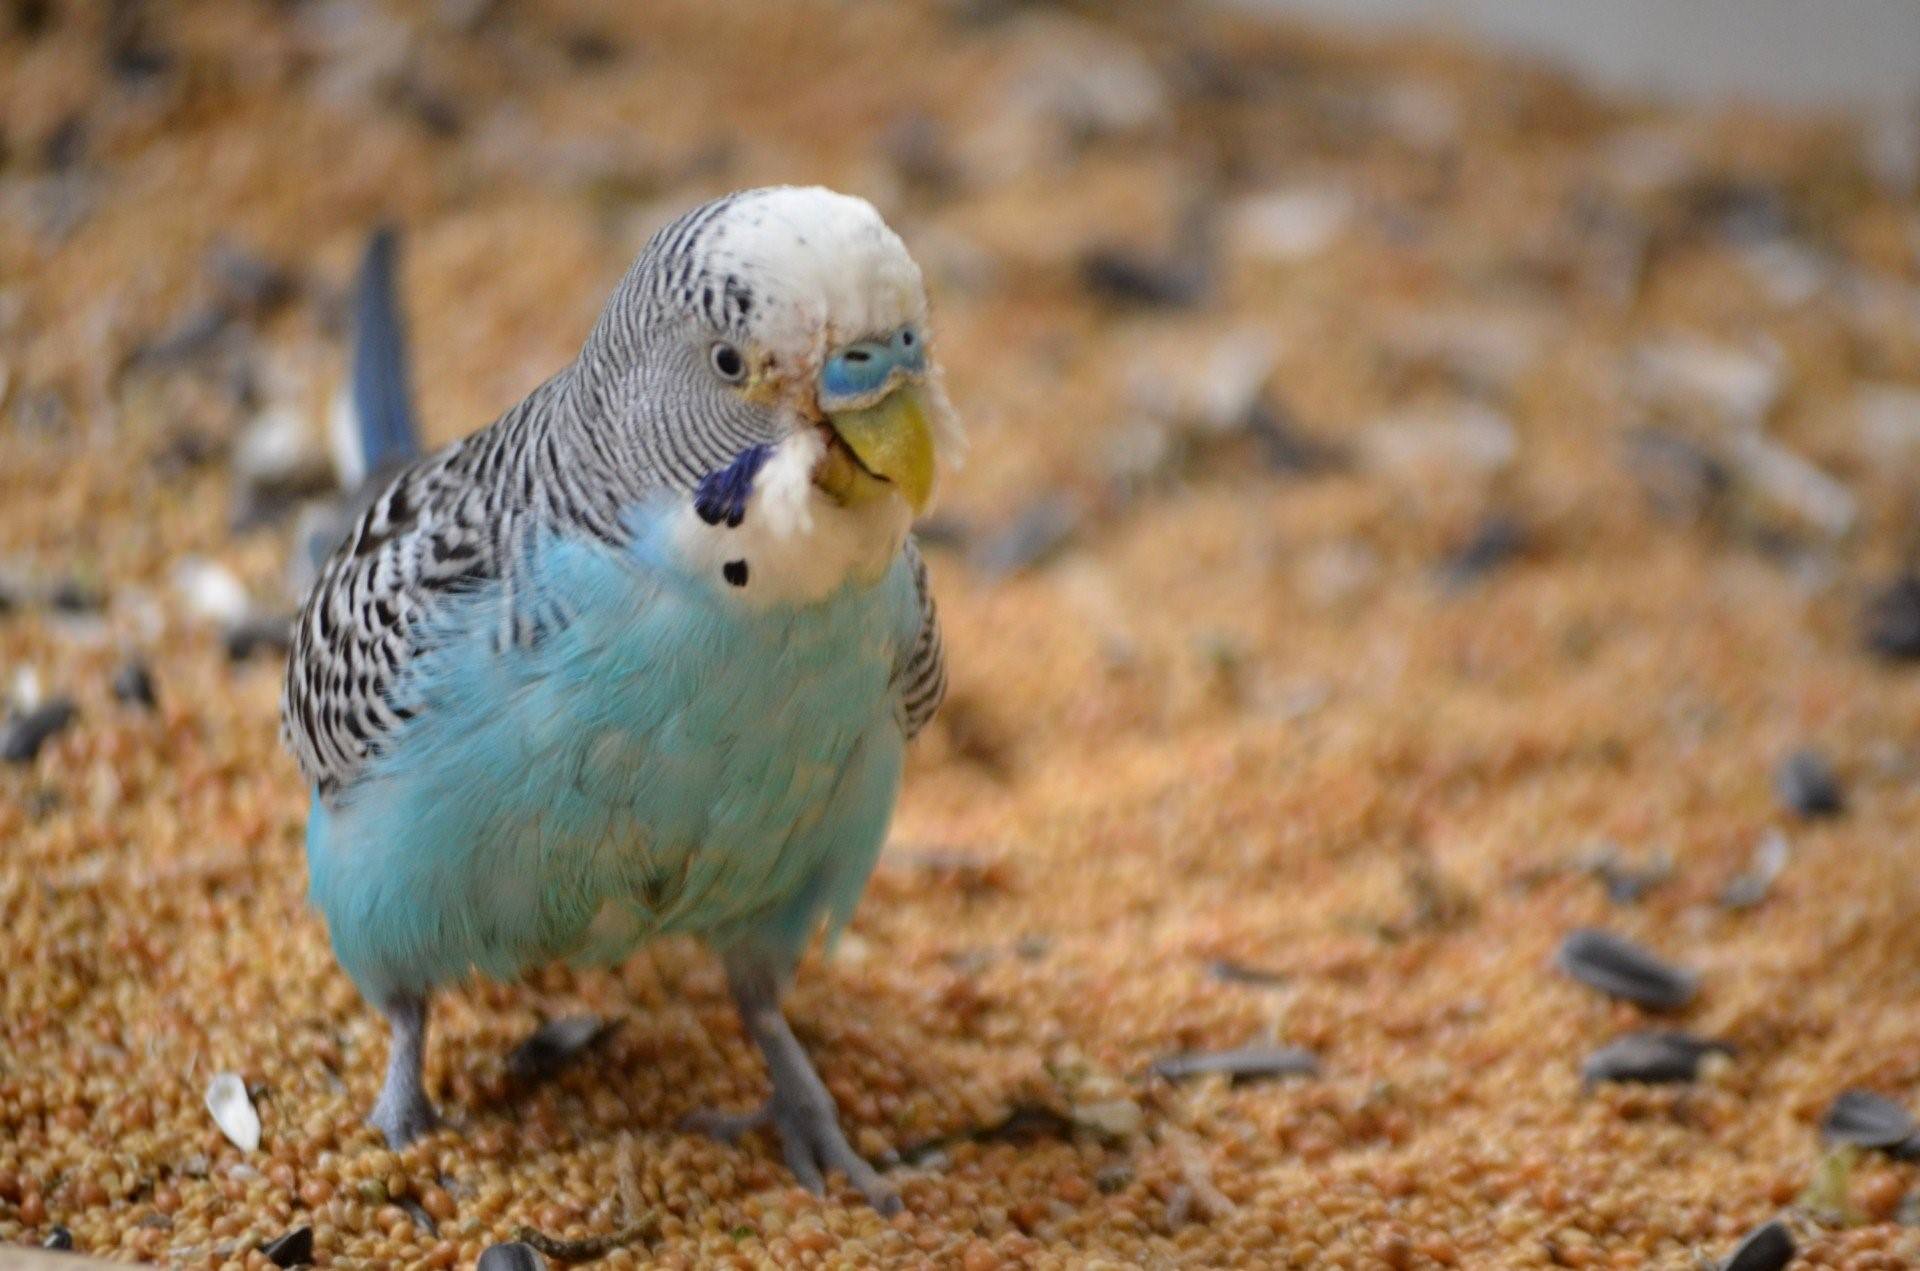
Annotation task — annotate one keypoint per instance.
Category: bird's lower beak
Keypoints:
(890, 443)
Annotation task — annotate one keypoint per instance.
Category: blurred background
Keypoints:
(1852, 54)
(1430, 463)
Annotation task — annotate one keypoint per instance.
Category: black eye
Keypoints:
(727, 362)
(906, 338)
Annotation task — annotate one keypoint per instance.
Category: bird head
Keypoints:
(790, 318)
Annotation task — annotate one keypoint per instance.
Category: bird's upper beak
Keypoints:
(870, 393)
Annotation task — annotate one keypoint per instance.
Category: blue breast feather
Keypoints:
(671, 760)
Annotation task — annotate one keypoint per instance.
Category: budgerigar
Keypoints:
(644, 655)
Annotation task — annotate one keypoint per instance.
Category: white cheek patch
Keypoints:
(793, 545)
(783, 489)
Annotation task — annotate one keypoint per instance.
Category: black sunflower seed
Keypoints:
(71, 596)
(1026, 1123)
(295, 1249)
(1243, 1063)
(555, 1044)
(31, 18)
(250, 283)
(1891, 624)
(590, 48)
(195, 335)
(921, 154)
(1132, 277)
(1652, 1056)
(1285, 447)
(1499, 539)
(421, 1218)
(22, 734)
(133, 684)
(260, 633)
(943, 529)
(1868, 1120)
(1806, 783)
(1683, 481)
(58, 1238)
(1628, 884)
(1620, 968)
(517, 1256)
(1032, 948)
(1767, 1248)
(1037, 533)
(1228, 971)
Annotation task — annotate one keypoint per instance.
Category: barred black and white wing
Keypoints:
(443, 526)
(920, 674)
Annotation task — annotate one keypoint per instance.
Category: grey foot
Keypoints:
(810, 1140)
(402, 1116)
(812, 1143)
(403, 1113)
(801, 1110)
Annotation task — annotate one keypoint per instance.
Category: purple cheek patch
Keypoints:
(722, 495)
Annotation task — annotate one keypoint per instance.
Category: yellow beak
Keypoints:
(892, 441)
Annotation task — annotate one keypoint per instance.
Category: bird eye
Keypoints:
(906, 338)
(727, 362)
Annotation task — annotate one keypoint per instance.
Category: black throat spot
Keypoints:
(735, 572)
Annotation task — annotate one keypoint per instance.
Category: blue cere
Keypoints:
(865, 367)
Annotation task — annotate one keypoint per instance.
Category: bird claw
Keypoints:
(727, 1127)
(812, 1143)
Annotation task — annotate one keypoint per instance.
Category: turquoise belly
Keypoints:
(668, 761)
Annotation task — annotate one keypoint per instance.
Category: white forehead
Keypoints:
(821, 268)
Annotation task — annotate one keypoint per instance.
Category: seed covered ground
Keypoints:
(1415, 505)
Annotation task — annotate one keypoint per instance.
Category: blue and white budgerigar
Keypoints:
(644, 655)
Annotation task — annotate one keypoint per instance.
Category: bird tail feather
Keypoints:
(376, 432)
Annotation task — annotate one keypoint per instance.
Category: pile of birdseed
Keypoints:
(1415, 510)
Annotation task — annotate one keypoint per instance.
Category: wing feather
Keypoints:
(920, 674)
(442, 526)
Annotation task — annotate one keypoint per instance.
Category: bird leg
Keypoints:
(801, 1110)
(402, 1112)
